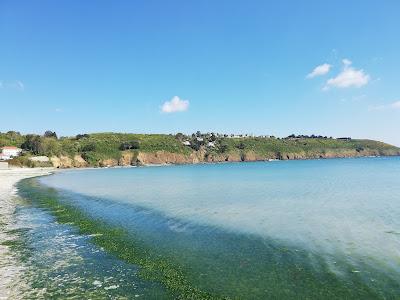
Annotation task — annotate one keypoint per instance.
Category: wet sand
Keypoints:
(9, 268)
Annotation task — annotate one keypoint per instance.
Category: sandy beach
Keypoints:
(9, 269)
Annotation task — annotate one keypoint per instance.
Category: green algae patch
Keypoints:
(115, 241)
(202, 265)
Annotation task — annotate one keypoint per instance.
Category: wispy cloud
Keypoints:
(349, 77)
(391, 106)
(347, 62)
(175, 105)
(357, 98)
(12, 84)
(319, 70)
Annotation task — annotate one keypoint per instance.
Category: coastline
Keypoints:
(159, 162)
(9, 269)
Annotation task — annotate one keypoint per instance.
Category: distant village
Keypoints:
(198, 139)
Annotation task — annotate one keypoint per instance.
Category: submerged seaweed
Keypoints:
(206, 271)
(115, 241)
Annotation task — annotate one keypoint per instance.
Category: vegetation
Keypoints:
(116, 241)
(129, 145)
(99, 147)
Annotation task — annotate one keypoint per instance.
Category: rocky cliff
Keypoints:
(163, 157)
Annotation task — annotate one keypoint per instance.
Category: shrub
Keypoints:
(82, 136)
(241, 146)
(89, 147)
(131, 145)
(223, 148)
(21, 161)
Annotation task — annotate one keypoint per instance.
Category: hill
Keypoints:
(112, 149)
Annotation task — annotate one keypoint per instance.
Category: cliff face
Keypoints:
(163, 157)
(67, 162)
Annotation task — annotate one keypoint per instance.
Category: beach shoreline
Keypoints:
(9, 269)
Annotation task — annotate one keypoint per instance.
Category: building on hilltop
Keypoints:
(344, 138)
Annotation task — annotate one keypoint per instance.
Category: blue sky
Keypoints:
(182, 66)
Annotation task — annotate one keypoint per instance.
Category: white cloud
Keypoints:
(320, 70)
(396, 105)
(14, 85)
(349, 77)
(391, 106)
(346, 62)
(175, 105)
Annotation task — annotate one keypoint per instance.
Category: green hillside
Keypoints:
(100, 149)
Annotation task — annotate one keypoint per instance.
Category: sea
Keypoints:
(303, 229)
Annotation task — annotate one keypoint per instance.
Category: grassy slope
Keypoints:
(107, 145)
(308, 146)
(11, 139)
(101, 146)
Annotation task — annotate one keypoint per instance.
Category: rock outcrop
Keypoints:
(110, 162)
(79, 162)
(66, 162)
(163, 157)
(130, 158)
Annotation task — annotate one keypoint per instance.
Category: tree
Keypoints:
(13, 134)
(50, 147)
(33, 143)
(50, 134)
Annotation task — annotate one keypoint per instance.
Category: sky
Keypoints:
(255, 67)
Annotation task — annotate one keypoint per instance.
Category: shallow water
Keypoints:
(56, 262)
(320, 228)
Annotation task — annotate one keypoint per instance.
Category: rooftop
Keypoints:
(10, 148)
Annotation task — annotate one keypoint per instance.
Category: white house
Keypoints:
(211, 144)
(9, 152)
(186, 143)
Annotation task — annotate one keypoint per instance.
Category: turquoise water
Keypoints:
(304, 229)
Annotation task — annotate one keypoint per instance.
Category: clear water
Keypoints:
(304, 229)
(58, 263)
